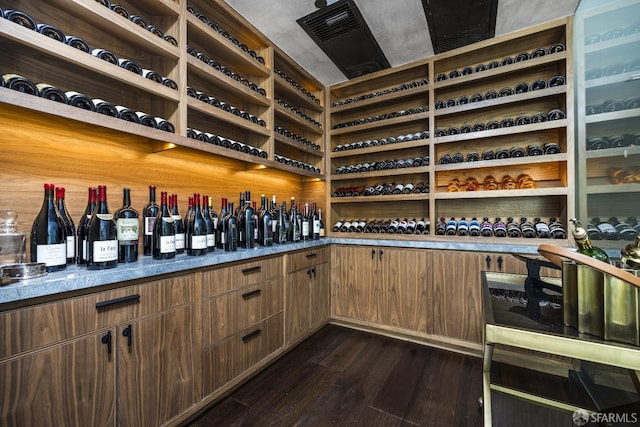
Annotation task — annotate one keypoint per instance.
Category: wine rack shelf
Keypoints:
(452, 76)
(607, 109)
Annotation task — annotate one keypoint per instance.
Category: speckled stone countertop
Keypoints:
(75, 278)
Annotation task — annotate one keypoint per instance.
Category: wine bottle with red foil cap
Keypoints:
(48, 238)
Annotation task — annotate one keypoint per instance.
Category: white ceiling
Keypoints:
(399, 26)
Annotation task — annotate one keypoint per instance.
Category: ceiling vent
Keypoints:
(457, 23)
(341, 32)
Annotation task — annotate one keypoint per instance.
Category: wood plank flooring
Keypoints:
(344, 377)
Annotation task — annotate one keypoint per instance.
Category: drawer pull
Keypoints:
(312, 256)
(106, 339)
(251, 335)
(251, 269)
(134, 297)
(250, 294)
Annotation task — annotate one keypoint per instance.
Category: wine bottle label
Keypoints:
(211, 240)
(105, 250)
(606, 228)
(52, 255)
(148, 225)
(316, 226)
(127, 228)
(274, 226)
(180, 240)
(105, 216)
(71, 246)
(167, 244)
(541, 227)
(305, 228)
(199, 242)
(321, 232)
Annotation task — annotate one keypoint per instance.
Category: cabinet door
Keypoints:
(404, 282)
(354, 283)
(457, 294)
(64, 385)
(156, 371)
(320, 295)
(298, 303)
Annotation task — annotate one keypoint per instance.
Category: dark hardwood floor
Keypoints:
(344, 377)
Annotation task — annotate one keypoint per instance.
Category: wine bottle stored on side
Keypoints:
(584, 243)
(178, 223)
(149, 214)
(20, 84)
(48, 239)
(102, 239)
(52, 93)
(197, 230)
(128, 234)
(83, 227)
(69, 226)
(164, 231)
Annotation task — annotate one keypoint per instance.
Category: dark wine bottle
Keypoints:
(281, 229)
(127, 114)
(220, 229)
(69, 226)
(306, 229)
(52, 93)
(321, 230)
(197, 230)
(230, 230)
(130, 65)
(20, 84)
(48, 239)
(103, 107)
(151, 75)
(294, 218)
(178, 223)
(77, 99)
(105, 55)
(274, 218)
(206, 214)
(188, 222)
(315, 223)
(102, 239)
(265, 223)
(149, 214)
(20, 18)
(248, 239)
(78, 43)
(164, 231)
(128, 234)
(50, 31)
(83, 227)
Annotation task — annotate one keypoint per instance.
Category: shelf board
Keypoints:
(616, 115)
(66, 53)
(453, 240)
(424, 89)
(613, 152)
(537, 192)
(608, 44)
(561, 157)
(295, 170)
(507, 69)
(383, 123)
(225, 116)
(558, 90)
(381, 148)
(386, 198)
(613, 188)
(308, 126)
(554, 124)
(225, 51)
(195, 65)
(288, 141)
(609, 80)
(381, 173)
(291, 93)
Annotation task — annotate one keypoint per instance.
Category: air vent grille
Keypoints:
(333, 23)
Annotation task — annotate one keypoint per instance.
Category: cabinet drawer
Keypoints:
(231, 357)
(240, 275)
(166, 294)
(232, 312)
(307, 258)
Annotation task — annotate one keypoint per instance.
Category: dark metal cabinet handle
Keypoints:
(127, 332)
(500, 261)
(134, 297)
(106, 339)
(312, 256)
(250, 294)
(313, 271)
(309, 271)
(488, 261)
(373, 253)
(251, 335)
(381, 254)
(251, 269)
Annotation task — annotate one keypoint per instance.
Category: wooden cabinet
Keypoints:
(123, 357)
(307, 293)
(608, 112)
(382, 285)
(242, 319)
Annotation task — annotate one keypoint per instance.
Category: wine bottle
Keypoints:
(248, 240)
(102, 239)
(50, 31)
(463, 227)
(124, 113)
(128, 223)
(52, 93)
(69, 226)
(281, 234)
(231, 230)
(149, 214)
(145, 120)
(188, 222)
(265, 224)
(295, 222)
(83, 226)
(584, 243)
(321, 230)
(214, 221)
(197, 230)
(164, 125)
(451, 227)
(306, 225)
(20, 18)
(274, 218)
(206, 214)
(220, 235)
(474, 227)
(178, 223)
(105, 55)
(79, 100)
(130, 65)
(78, 43)
(164, 231)
(542, 229)
(240, 219)
(255, 221)
(151, 75)
(103, 107)
(315, 222)
(20, 84)
(48, 238)
(607, 230)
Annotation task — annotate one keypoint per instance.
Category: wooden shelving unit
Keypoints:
(552, 173)
(604, 72)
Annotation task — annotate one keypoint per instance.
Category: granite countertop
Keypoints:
(75, 278)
